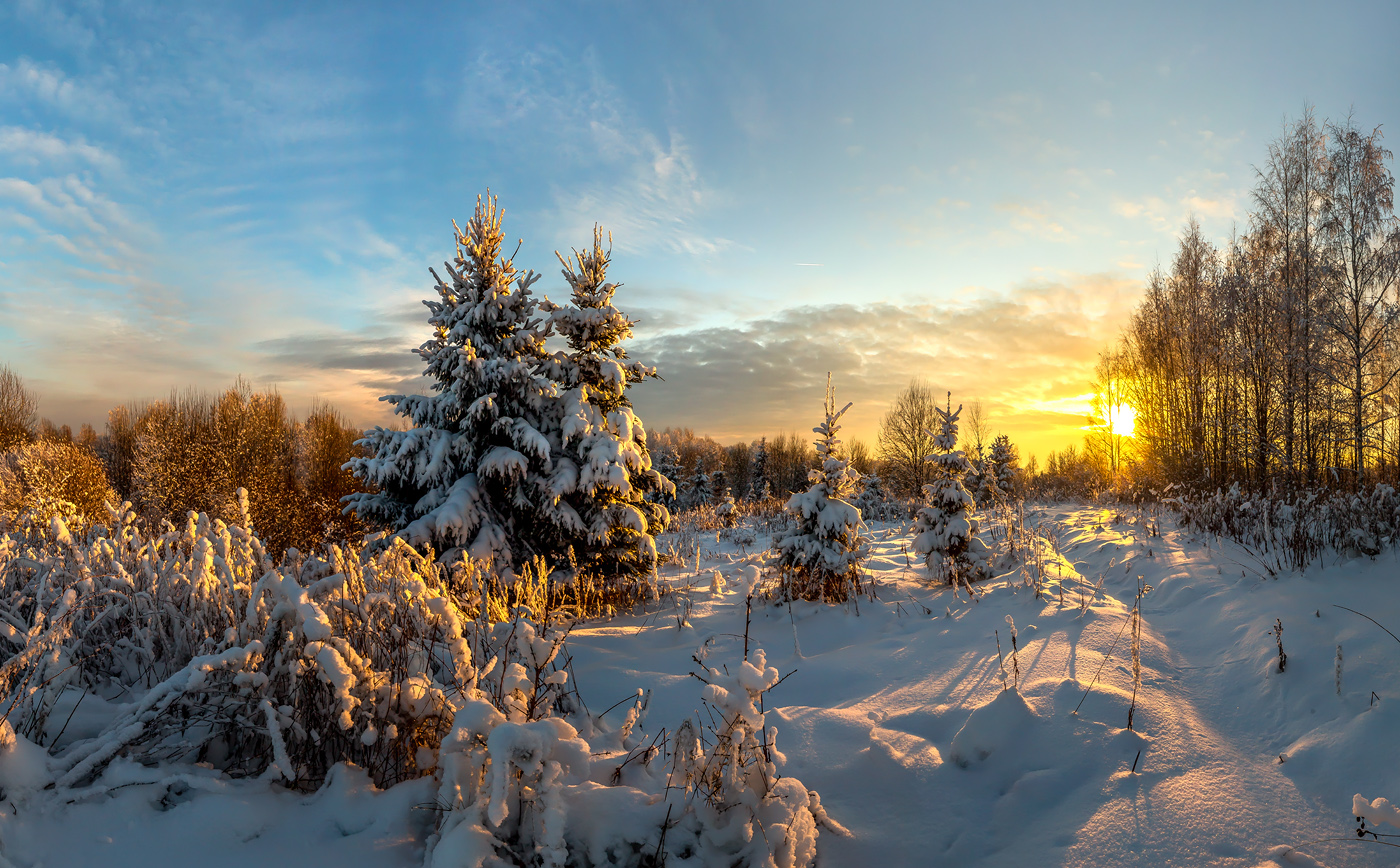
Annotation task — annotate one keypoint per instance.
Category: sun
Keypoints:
(1124, 420)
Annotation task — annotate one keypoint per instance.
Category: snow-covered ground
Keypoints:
(895, 713)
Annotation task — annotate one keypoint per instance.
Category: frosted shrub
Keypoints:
(522, 790)
(356, 658)
(377, 655)
(1290, 530)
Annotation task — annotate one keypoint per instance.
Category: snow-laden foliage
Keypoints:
(820, 557)
(669, 467)
(204, 650)
(523, 789)
(253, 666)
(475, 469)
(875, 502)
(945, 532)
(1291, 530)
(601, 468)
(521, 453)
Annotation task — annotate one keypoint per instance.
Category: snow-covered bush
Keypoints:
(819, 559)
(1292, 529)
(522, 790)
(251, 666)
(945, 533)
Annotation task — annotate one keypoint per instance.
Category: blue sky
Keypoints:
(964, 192)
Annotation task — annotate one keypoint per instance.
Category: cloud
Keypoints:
(1014, 351)
(81, 100)
(654, 204)
(33, 147)
(648, 191)
(1034, 220)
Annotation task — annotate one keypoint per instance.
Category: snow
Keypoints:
(893, 711)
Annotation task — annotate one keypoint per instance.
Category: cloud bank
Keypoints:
(1013, 351)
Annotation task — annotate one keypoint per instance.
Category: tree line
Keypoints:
(1271, 357)
(192, 451)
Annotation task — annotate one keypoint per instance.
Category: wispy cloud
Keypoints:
(34, 147)
(78, 99)
(648, 189)
(655, 203)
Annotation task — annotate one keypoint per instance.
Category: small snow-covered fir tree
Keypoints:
(669, 467)
(820, 558)
(999, 482)
(698, 493)
(945, 532)
(602, 470)
(873, 501)
(758, 471)
(724, 508)
(474, 469)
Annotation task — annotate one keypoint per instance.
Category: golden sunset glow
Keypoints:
(1124, 420)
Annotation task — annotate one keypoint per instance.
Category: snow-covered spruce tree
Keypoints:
(719, 485)
(999, 482)
(474, 470)
(758, 471)
(670, 469)
(602, 469)
(698, 493)
(873, 501)
(945, 532)
(820, 559)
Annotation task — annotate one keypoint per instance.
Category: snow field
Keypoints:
(893, 710)
(899, 720)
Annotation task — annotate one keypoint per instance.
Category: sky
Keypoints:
(971, 194)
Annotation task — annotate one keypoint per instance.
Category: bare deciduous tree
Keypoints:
(1364, 247)
(18, 411)
(906, 438)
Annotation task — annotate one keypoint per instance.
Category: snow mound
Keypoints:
(1003, 721)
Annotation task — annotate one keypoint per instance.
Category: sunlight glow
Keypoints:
(1124, 420)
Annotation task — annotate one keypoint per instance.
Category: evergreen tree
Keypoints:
(725, 508)
(873, 501)
(820, 558)
(999, 482)
(945, 532)
(719, 485)
(698, 493)
(475, 468)
(602, 469)
(670, 468)
(758, 471)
